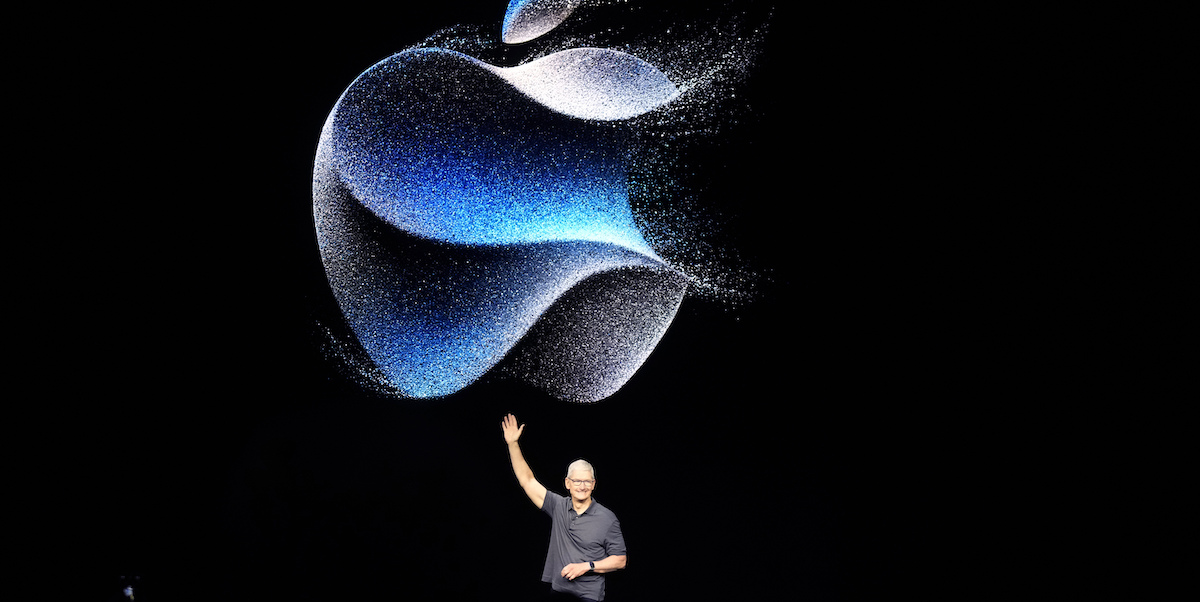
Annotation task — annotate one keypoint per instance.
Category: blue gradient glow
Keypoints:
(484, 178)
(476, 219)
(454, 211)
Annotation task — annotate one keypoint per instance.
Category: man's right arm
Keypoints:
(533, 489)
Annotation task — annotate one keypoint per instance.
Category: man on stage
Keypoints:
(585, 537)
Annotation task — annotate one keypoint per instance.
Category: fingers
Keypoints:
(510, 422)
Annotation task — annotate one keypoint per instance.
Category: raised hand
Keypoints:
(511, 431)
(535, 490)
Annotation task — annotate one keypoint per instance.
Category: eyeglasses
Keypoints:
(583, 483)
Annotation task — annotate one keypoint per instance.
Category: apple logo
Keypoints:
(470, 215)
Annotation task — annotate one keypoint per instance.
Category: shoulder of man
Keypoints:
(602, 510)
(552, 501)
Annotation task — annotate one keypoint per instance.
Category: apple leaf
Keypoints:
(528, 19)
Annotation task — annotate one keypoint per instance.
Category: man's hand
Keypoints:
(533, 489)
(571, 571)
(511, 431)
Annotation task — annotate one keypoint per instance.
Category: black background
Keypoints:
(852, 433)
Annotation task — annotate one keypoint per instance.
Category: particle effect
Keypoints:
(592, 83)
(529, 19)
(474, 218)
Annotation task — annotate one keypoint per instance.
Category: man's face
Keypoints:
(581, 484)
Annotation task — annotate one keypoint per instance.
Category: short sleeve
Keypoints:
(551, 502)
(614, 540)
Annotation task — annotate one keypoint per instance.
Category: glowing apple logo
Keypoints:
(468, 214)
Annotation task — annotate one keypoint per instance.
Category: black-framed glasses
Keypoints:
(583, 483)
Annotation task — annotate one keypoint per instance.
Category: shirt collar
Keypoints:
(590, 508)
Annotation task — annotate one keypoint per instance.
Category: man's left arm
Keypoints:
(614, 544)
(605, 565)
(610, 564)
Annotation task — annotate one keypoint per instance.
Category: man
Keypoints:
(585, 537)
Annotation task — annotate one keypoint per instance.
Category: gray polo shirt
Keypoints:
(593, 535)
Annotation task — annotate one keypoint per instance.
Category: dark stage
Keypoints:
(819, 441)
